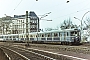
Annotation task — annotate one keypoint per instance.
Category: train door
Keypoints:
(49, 36)
(56, 36)
(62, 36)
(43, 37)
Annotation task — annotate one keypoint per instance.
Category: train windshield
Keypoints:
(75, 33)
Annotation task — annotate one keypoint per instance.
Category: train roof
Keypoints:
(53, 31)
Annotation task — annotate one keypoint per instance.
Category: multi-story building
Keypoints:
(33, 22)
(5, 25)
(17, 24)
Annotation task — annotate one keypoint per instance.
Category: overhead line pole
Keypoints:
(27, 28)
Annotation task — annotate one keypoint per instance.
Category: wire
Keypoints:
(16, 7)
(71, 7)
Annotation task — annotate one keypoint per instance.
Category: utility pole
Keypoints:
(27, 28)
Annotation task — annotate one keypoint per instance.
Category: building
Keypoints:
(17, 24)
(33, 22)
(5, 25)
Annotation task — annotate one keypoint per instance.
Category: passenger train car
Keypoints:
(67, 36)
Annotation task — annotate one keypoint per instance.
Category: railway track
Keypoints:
(77, 49)
(46, 56)
(54, 55)
(23, 54)
(13, 55)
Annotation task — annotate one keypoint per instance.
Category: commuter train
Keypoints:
(67, 36)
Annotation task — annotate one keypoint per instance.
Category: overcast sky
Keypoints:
(60, 10)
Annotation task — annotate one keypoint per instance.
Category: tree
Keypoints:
(87, 22)
(67, 24)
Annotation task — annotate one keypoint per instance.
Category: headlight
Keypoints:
(72, 38)
(76, 37)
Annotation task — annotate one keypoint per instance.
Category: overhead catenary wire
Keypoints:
(69, 8)
(54, 6)
(73, 12)
(16, 6)
(51, 11)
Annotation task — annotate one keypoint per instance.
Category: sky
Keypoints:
(60, 10)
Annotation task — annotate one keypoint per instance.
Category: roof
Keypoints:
(32, 13)
(55, 31)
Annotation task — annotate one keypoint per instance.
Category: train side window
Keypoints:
(67, 34)
(72, 33)
(55, 35)
(31, 36)
(60, 35)
(13, 36)
(48, 35)
(75, 32)
(42, 35)
(10, 37)
(64, 34)
(36, 35)
(24, 36)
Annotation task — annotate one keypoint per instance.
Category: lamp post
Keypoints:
(81, 23)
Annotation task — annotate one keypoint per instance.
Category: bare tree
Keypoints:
(88, 25)
(67, 24)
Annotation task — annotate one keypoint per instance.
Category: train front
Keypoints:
(76, 36)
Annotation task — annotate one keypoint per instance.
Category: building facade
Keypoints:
(5, 25)
(17, 24)
(33, 22)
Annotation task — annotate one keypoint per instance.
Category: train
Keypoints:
(66, 36)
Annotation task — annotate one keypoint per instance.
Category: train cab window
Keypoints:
(74, 33)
